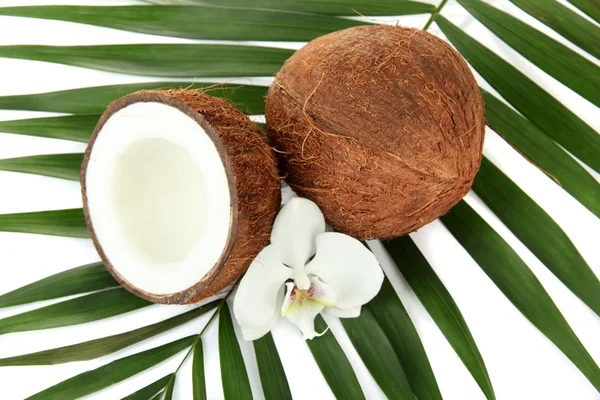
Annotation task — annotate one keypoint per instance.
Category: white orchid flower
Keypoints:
(285, 280)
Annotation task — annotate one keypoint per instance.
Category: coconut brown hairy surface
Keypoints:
(180, 191)
(381, 126)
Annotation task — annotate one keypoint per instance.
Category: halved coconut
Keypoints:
(180, 191)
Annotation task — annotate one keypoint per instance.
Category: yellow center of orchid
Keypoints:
(301, 295)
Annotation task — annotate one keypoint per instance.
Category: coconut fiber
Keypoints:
(381, 126)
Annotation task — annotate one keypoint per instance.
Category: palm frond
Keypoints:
(75, 311)
(377, 353)
(95, 99)
(198, 380)
(538, 231)
(116, 371)
(536, 104)
(64, 166)
(70, 223)
(234, 377)
(167, 60)
(69, 127)
(101, 347)
(83, 279)
(441, 306)
(590, 7)
(543, 152)
(334, 364)
(272, 375)
(121, 369)
(168, 392)
(402, 334)
(197, 22)
(151, 390)
(564, 21)
(325, 7)
(516, 281)
(556, 59)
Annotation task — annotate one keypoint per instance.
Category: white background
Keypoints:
(522, 363)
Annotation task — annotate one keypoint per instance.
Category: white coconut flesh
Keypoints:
(158, 197)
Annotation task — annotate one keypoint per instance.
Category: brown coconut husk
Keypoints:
(381, 126)
(254, 186)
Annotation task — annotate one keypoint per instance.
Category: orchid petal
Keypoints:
(353, 312)
(301, 278)
(251, 334)
(256, 298)
(303, 316)
(287, 193)
(256, 333)
(295, 230)
(289, 298)
(322, 293)
(343, 263)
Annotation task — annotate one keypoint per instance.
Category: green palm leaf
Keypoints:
(83, 279)
(542, 151)
(556, 59)
(169, 60)
(75, 311)
(65, 166)
(70, 222)
(272, 376)
(104, 346)
(334, 364)
(78, 128)
(590, 7)
(532, 101)
(94, 100)
(441, 306)
(325, 7)
(234, 376)
(114, 372)
(151, 390)
(512, 276)
(563, 20)
(377, 353)
(198, 22)
(538, 231)
(400, 331)
(168, 393)
(198, 380)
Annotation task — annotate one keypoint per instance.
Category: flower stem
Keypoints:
(435, 14)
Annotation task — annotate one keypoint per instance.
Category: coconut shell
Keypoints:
(253, 178)
(381, 126)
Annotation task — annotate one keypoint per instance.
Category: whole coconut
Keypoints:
(381, 126)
